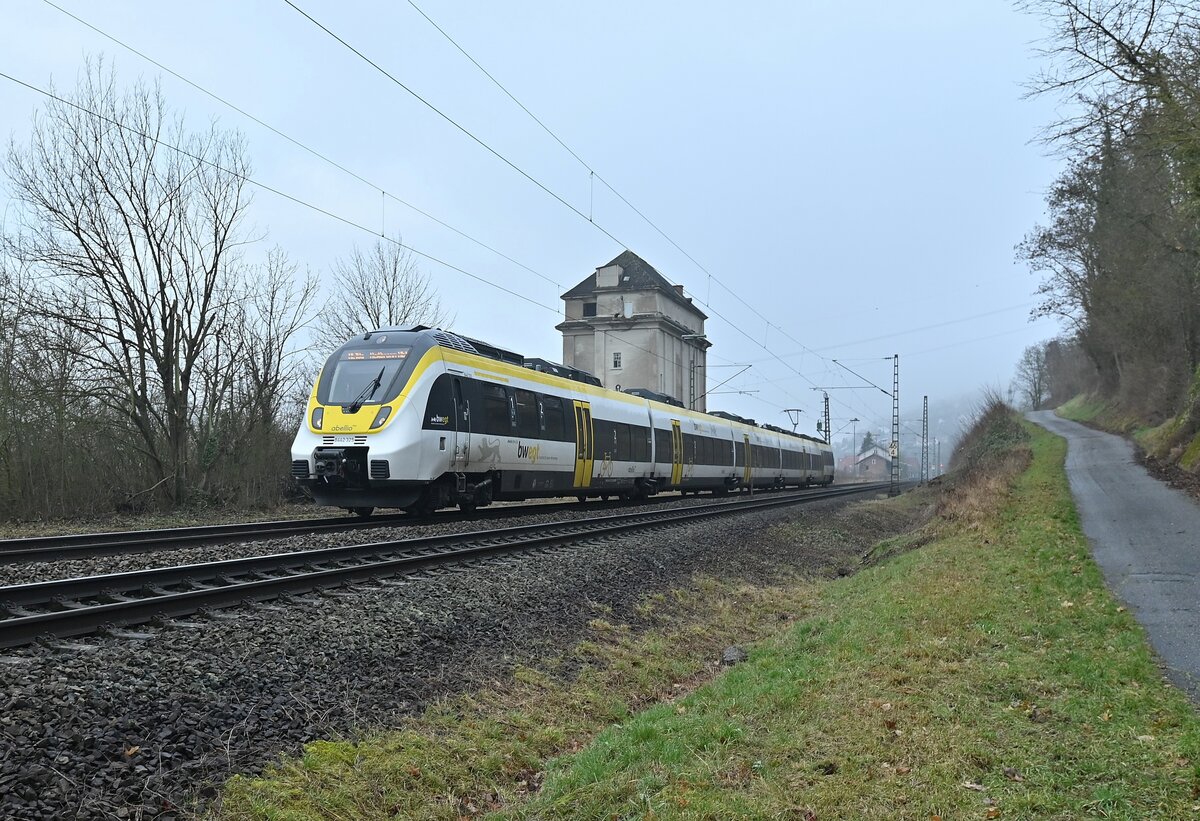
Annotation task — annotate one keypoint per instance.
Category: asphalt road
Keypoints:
(1146, 538)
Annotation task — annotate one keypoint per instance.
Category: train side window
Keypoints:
(603, 437)
(624, 444)
(525, 405)
(641, 444)
(463, 405)
(662, 446)
(496, 415)
(439, 410)
(552, 409)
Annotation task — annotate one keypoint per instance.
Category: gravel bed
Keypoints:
(149, 727)
(120, 563)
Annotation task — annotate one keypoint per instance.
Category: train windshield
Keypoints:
(363, 377)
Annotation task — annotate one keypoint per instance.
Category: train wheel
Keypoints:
(362, 511)
(467, 506)
(581, 498)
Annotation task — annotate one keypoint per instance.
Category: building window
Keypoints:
(589, 309)
(616, 360)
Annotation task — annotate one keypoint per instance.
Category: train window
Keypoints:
(527, 413)
(439, 410)
(641, 444)
(739, 454)
(662, 446)
(556, 428)
(496, 417)
(605, 437)
(624, 444)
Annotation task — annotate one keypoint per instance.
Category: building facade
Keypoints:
(873, 466)
(631, 328)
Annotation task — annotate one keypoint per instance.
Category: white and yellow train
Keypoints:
(418, 418)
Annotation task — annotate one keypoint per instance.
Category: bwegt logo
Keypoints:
(529, 452)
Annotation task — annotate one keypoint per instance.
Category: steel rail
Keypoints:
(73, 607)
(52, 548)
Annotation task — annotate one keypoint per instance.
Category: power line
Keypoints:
(500, 86)
(863, 378)
(452, 121)
(388, 195)
(605, 182)
(297, 143)
(270, 189)
(926, 327)
(298, 201)
(547, 190)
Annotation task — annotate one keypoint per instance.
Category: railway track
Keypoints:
(53, 548)
(73, 607)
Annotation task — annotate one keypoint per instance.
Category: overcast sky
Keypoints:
(857, 173)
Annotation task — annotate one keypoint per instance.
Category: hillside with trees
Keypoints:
(1119, 253)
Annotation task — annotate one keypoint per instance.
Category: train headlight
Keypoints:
(381, 417)
(318, 418)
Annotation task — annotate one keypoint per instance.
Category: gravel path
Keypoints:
(111, 727)
(1143, 534)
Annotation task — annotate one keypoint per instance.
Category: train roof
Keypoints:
(468, 345)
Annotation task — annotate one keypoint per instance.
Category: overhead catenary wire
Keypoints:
(299, 144)
(294, 199)
(593, 174)
(331, 162)
(271, 189)
(475, 138)
(387, 195)
(452, 121)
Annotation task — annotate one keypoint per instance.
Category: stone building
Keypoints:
(630, 327)
(873, 466)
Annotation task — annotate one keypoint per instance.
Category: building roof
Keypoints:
(874, 451)
(637, 275)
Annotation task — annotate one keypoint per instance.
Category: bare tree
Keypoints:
(1031, 381)
(134, 223)
(1116, 58)
(253, 374)
(378, 288)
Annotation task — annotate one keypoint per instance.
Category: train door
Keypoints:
(746, 459)
(583, 444)
(462, 424)
(676, 453)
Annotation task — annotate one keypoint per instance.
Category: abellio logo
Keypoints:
(529, 452)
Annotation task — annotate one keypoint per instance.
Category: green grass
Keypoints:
(990, 668)
(976, 669)
(1083, 408)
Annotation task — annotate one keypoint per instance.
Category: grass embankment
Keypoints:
(987, 674)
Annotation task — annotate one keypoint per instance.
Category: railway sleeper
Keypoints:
(60, 605)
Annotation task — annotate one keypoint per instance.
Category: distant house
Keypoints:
(630, 327)
(873, 465)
